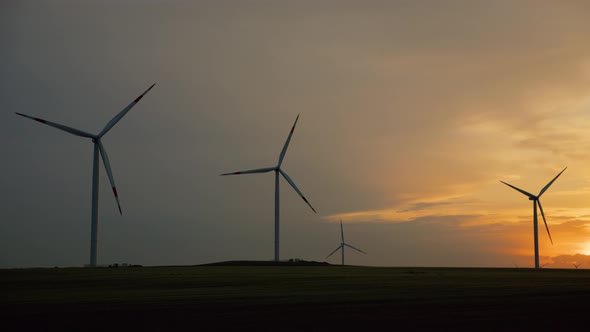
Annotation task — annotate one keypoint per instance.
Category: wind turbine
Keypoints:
(577, 265)
(98, 148)
(342, 245)
(277, 169)
(536, 200)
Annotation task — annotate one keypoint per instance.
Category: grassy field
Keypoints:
(292, 298)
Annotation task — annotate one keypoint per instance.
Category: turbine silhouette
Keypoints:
(98, 148)
(343, 244)
(536, 201)
(277, 169)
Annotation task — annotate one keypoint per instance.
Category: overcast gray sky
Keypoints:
(411, 111)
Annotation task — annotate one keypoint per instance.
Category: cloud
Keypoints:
(569, 261)
(421, 206)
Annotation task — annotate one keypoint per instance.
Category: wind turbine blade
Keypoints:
(348, 245)
(107, 166)
(339, 247)
(58, 126)
(296, 189)
(550, 183)
(259, 170)
(520, 190)
(121, 114)
(545, 221)
(341, 230)
(282, 156)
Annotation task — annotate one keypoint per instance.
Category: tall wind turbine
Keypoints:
(98, 148)
(277, 169)
(343, 244)
(536, 200)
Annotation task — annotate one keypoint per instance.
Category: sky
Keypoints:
(410, 114)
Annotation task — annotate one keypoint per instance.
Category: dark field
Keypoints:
(293, 298)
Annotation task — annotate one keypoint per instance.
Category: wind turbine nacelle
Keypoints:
(532, 198)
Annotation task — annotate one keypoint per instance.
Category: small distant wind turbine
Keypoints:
(277, 169)
(577, 265)
(536, 201)
(98, 148)
(342, 245)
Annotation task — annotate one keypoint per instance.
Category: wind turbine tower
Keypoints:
(536, 201)
(278, 170)
(98, 149)
(343, 244)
